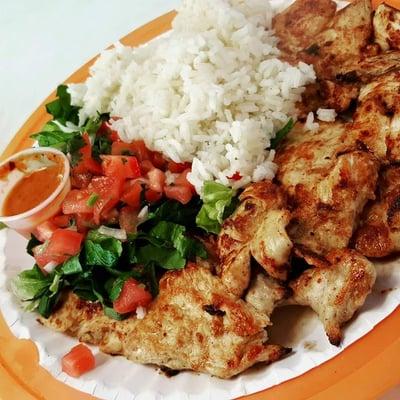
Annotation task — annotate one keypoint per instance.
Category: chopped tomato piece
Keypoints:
(45, 230)
(81, 181)
(62, 221)
(137, 148)
(235, 177)
(87, 163)
(105, 129)
(183, 194)
(84, 222)
(108, 189)
(152, 196)
(158, 160)
(131, 194)
(133, 295)
(64, 242)
(146, 166)
(76, 201)
(181, 180)
(121, 166)
(78, 361)
(177, 168)
(128, 219)
(42, 257)
(156, 179)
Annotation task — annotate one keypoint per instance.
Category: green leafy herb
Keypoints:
(281, 134)
(3, 226)
(54, 136)
(102, 250)
(72, 266)
(61, 108)
(216, 199)
(91, 201)
(30, 284)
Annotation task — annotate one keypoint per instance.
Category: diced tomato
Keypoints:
(152, 196)
(181, 180)
(136, 148)
(45, 230)
(84, 222)
(62, 221)
(109, 190)
(128, 219)
(105, 129)
(80, 181)
(121, 166)
(76, 201)
(235, 177)
(158, 160)
(64, 242)
(183, 194)
(132, 296)
(177, 168)
(156, 179)
(146, 166)
(87, 163)
(78, 361)
(132, 192)
(42, 257)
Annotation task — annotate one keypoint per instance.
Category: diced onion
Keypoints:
(143, 214)
(49, 267)
(119, 234)
(140, 312)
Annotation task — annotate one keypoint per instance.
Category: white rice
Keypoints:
(212, 92)
(310, 125)
(326, 114)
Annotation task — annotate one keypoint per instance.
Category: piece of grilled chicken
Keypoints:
(387, 27)
(328, 179)
(257, 228)
(337, 291)
(340, 48)
(379, 233)
(193, 324)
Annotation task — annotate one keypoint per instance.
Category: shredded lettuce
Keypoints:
(217, 199)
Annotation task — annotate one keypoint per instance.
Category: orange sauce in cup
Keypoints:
(32, 189)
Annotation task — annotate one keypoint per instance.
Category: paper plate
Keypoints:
(363, 370)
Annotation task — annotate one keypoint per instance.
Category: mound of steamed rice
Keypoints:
(212, 91)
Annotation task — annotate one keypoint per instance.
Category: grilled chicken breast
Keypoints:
(266, 293)
(328, 180)
(387, 27)
(297, 26)
(257, 227)
(379, 234)
(342, 42)
(194, 323)
(336, 292)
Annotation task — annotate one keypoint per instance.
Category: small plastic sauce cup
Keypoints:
(25, 222)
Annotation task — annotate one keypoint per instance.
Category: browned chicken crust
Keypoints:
(257, 227)
(342, 42)
(300, 22)
(266, 293)
(336, 292)
(194, 323)
(387, 27)
(328, 180)
(379, 234)
(376, 120)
